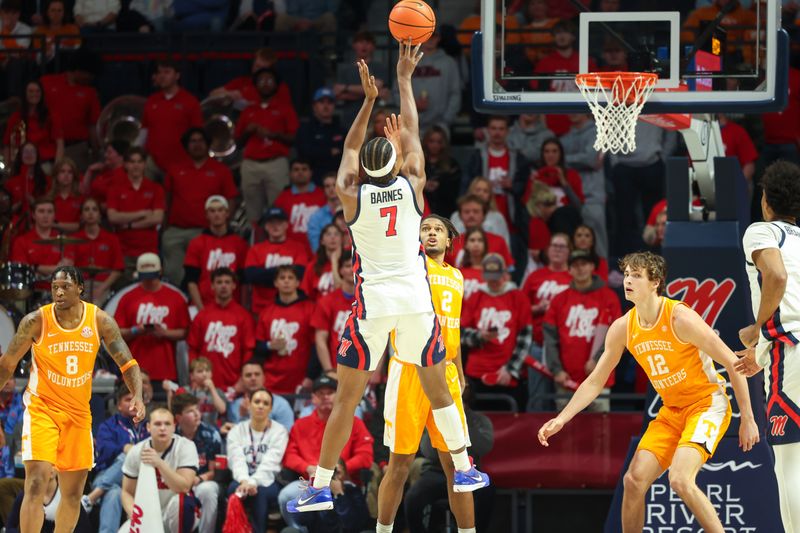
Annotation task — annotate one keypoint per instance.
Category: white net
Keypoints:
(616, 99)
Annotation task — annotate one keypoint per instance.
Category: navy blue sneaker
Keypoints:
(311, 499)
(470, 480)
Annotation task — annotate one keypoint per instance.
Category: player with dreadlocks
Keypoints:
(392, 291)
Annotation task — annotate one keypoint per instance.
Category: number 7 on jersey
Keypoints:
(391, 212)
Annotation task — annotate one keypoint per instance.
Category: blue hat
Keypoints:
(323, 92)
(273, 213)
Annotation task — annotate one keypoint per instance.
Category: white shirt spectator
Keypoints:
(255, 456)
(181, 453)
(93, 11)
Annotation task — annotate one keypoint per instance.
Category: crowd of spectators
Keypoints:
(235, 325)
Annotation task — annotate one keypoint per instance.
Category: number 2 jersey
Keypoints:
(680, 373)
(63, 362)
(388, 258)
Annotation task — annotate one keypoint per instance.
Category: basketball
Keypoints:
(412, 19)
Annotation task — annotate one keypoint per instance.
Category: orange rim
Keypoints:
(608, 79)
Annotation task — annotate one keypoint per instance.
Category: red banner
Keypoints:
(588, 453)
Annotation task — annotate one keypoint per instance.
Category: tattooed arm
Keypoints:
(29, 330)
(121, 354)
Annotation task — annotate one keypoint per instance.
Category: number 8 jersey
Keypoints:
(63, 361)
(680, 373)
(388, 258)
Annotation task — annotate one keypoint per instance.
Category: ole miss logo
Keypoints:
(778, 423)
(708, 298)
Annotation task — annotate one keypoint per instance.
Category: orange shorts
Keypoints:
(407, 411)
(55, 436)
(700, 425)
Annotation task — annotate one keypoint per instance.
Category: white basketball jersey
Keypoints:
(388, 258)
(785, 237)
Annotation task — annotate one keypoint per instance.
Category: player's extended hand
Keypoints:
(749, 335)
(409, 57)
(367, 81)
(137, 409)
(392, 129)
(747, 365)
(748, 434)
(548, 429)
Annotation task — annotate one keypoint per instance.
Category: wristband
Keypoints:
(128, 365)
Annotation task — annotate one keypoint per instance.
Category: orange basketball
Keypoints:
(412, 19)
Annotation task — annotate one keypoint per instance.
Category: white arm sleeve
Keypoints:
(236, 459)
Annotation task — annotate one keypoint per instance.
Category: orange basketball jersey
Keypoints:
(63, 362)
(447, 291)
(680, 373)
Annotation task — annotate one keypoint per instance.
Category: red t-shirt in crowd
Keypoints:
(102, 182)
(246, 87)
(24, 250)
(166, 119)
(316, 286)
(22, 185)
(165, 306)
(76, 106)
(189, 186)
(509, 313)
(274, 116)
(738, 143)
(576, 315)
(495, 244)
(208, 252)
(299, 206)
(103, 251)
(305, 443)
(473, 278)
(538, 234)
(68, 209)
(556, 63)
(542, 286)
(226, 337)
(284, 371)
(499, 166)
(550, 177)
(43, 136)
(783, 127)
(270, 255)
(123, 197)
(331, 314)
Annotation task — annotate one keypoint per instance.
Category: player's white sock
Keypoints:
(787, 472)
(380, 528)
(322, 477)
(466, 530)
(448, 422)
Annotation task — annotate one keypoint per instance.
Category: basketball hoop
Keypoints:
(616, 99)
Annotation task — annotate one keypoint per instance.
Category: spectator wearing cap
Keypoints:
(305, 442)
(216, 247)
(242, 89)
(496, 329)
(324, 215)
(320, 138)
(223, 331)
(300, 200)
(152, 318)
(347, 89)
(283, 334)
(541, 286)
(100, 255)
(265, 257)
(188, 186)
(168, 113)
(574, 327)
(436, 85)
(136, 209)
(100, 176)
(255, 450)
(75, 103)
(267, 131)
